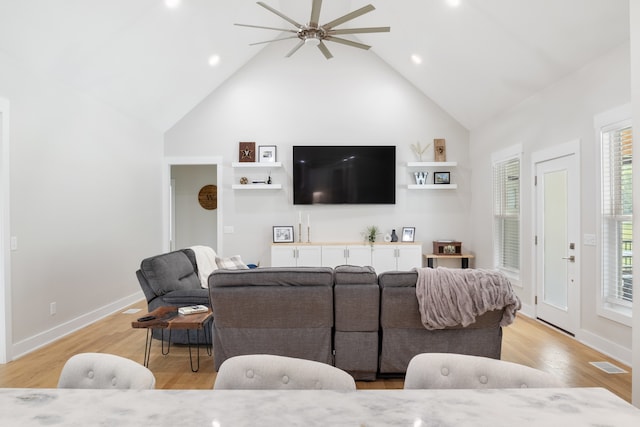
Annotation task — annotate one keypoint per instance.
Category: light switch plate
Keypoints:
(589, 239)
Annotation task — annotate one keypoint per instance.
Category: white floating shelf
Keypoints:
(257, 186)
(431, 164)
(432, 186)
(256, 164)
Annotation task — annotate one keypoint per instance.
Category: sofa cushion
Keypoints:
(353, 274)
(398, 279)
(273, 276)
(185, 297)
(170, 272)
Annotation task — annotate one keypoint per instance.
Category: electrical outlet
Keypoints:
(52, 308)
(14, 243)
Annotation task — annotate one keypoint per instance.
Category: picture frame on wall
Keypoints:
(247, 152)
(408, 234)
(267, 154)
(441, 177)
(283, 234)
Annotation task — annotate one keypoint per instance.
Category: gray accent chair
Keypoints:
(404, 336)
(461, 371)
(279, 311)
(357, 308)
(171, 279)
(104, 371)
(270, 372)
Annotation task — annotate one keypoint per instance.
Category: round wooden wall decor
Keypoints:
(208, 197)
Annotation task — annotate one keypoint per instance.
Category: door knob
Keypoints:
(571, 258)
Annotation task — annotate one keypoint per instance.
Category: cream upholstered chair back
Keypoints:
(98, 370)
(270, 372)
(447, 370)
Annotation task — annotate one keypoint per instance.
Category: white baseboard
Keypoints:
(528, 311)
(604, 346)
(30, 344)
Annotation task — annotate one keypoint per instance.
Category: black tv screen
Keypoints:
(344, 174)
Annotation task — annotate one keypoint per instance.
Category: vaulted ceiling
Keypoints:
(152, 62)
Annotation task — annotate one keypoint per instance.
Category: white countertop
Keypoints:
(568, 407)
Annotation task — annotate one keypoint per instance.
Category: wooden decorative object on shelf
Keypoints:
(439, 150)
(247, 152)
(208, 197)
(447, 247)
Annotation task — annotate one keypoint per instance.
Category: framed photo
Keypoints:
(408, 234)
(441, 177)
(283, 234)
(266, 153)
(247, 152)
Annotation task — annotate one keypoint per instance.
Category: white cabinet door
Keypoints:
(383, 258)
(409, 257)
(396, 257)
(359, 255)
(309, 256)
(333, 255)
(283, 256)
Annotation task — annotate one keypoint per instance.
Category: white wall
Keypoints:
(557, 114)
(194, 225)
(354, 99)
(635, 105)
(85, 205)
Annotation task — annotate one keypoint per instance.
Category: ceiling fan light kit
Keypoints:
(314, 34)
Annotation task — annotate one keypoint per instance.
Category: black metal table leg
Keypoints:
(464, 262)
(198, 350)
(147, 347)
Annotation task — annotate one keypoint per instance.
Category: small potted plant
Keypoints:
(371, 233)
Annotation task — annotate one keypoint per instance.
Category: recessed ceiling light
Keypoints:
(453, 3)
(416, 59)
(214, 60)
(172, 4)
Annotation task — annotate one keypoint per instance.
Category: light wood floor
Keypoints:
(526, 341)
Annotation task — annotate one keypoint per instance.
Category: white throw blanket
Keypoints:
(451, 297)
(206, 262)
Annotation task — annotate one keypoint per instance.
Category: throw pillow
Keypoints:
(231, 263)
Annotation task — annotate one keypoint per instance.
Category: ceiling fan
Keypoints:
(315, 34)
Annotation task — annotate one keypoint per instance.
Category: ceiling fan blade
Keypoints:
(348, 42)
(315, 13)
(266, 28)
(280, 14)
(361, 30)
(295, 48)
(325, 51)
(349, 16)
(274, 40)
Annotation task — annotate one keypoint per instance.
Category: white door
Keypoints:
(557, 239)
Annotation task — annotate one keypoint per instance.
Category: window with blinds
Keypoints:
(506, 215)
(616, 214)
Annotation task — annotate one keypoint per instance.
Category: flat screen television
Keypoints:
(343, 174)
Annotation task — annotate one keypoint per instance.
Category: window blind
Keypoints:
(617, 204)
(506, 214)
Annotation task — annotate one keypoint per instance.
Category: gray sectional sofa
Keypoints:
(281, 311)
(362, 323)
(404, 336)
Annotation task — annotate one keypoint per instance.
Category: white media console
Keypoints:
(382, 256)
